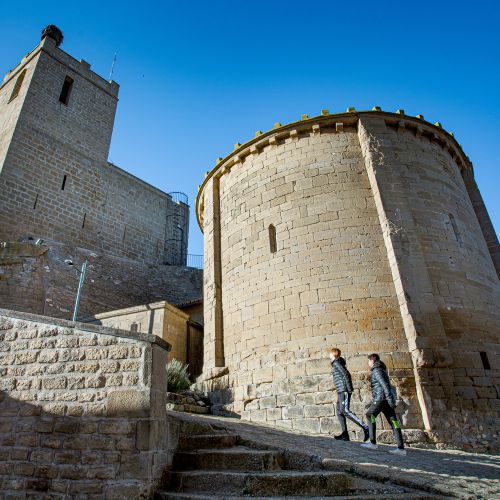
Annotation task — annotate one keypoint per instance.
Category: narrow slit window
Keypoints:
(63, 185)
(17, 85)
(458, 236)
(272, 238)
(485, 360)
(83, 222)
(66, 90)
(36, 201)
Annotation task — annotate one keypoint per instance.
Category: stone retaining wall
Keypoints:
(36, 279)
(82, 409)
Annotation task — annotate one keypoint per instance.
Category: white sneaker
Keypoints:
(398, 451)
(370, 446)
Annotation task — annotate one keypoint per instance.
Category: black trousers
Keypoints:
(373, 411)
(343, 411)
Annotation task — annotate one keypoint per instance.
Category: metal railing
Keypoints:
(195, 261)
(179, 197)
(175, 252)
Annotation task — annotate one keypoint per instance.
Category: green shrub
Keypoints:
(177, 376)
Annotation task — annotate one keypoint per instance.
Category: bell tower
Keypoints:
(56, 122)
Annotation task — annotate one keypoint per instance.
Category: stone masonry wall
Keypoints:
(55, 180)
(449, 283)
(36, 279)
(11, 106)
(378, 248)
(82, 410)
(328, 284)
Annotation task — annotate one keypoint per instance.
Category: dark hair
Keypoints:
(374, 357)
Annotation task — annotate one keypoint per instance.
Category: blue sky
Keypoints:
(198, 76)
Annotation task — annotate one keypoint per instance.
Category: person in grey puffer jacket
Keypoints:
(383, 401)
(343, 385)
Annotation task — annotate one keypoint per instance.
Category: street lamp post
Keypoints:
(80, 284)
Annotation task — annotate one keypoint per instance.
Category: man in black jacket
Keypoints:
(343, 385)
(383, 401)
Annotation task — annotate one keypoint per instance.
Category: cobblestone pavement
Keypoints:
(449, 473)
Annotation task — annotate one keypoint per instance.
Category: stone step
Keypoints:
(173, 397)
(263, 484)
(237, 458)
(188, 408)
(169, 495)
(213, 441)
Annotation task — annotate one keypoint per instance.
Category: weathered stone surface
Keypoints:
(56, 183)
(426, 472)
(74, 426)
(370, 237)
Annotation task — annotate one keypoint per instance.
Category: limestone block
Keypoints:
(268, 402)
(258, 415)
(305, 399)
(318, 410)
(293, 412)
(324, 397)
(311, 425)
(285, 400)
(286, 424)
(317, 366)
(274, 414)
(263, 375)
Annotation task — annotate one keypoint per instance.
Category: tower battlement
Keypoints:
(364, 231)
(335, 121)
(82, 67)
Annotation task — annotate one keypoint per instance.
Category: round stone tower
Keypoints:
(364, 231)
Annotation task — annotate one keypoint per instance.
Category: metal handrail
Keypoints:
(194, 260)
(179, 197)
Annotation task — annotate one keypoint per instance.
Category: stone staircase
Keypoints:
(218, 464)
(188, 401)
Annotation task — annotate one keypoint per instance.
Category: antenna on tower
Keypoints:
(112, 67)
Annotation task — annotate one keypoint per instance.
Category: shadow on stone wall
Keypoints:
(37, 279)
(82, 408)
(47, 452)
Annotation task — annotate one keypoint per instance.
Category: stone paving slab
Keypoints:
(447, 473)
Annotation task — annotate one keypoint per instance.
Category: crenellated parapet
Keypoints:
(328, 122)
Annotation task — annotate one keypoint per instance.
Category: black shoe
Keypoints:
(342, 437)
(366, 436)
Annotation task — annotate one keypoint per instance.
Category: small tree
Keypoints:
(177, 376)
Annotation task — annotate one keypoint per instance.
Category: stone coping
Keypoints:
(135, 309)
(86, 327)
(350, 117)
